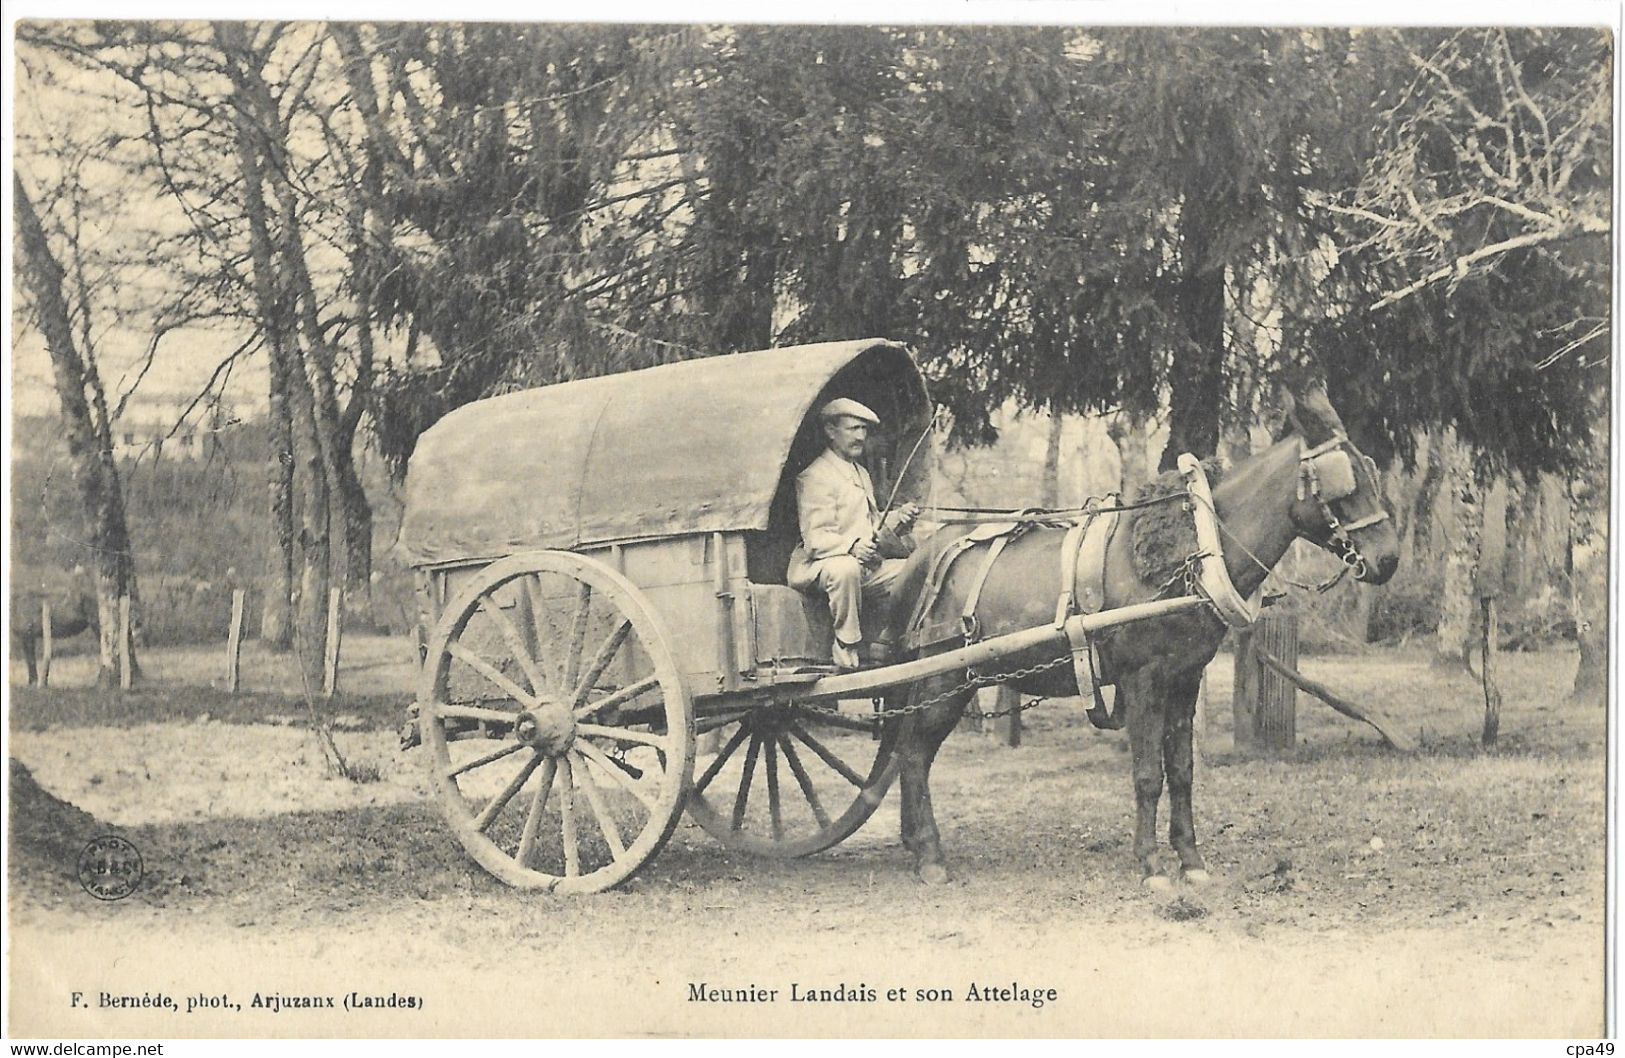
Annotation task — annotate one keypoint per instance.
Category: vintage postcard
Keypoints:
(873, 530)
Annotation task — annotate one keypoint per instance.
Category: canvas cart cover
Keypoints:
(695, 446)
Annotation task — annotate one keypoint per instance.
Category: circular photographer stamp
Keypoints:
(110, 868)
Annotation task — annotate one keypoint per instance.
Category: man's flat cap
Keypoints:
(848, 406)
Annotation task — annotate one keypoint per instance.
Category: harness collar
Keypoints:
(1212, 578)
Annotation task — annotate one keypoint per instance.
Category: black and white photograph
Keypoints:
(720, 529)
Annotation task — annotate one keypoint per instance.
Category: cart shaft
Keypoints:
(868, 681)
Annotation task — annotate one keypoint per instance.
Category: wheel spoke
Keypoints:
(744, 782)
(711, 723)
(516, 644)
(600, 661)
(606, 822)
(567, 816)
(622, 734)
(600, 758)
(792, 758)
(826, 756)
(474, 712)
(481, 761)
(721, 758)
(849, 723)
(497, 803)
(490, 672)
(533, 819)
(770, 764)
(578, 636)
(620, 697)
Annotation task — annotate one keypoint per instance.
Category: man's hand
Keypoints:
(866, 553)
(901, 519)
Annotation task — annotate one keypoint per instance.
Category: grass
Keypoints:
(36, 709)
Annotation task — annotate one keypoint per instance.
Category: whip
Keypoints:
(897, 481)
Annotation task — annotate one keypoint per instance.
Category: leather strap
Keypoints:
(941, 562)
(1069, 571)
(967, 616)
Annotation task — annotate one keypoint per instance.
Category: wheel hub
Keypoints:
(549, 728)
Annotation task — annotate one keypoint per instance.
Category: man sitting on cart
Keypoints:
(849, 550)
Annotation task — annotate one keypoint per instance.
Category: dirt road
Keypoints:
(1357, 892)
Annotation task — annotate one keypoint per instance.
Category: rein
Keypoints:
(1041, 515)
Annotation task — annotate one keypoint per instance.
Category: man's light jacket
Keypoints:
(835, 500)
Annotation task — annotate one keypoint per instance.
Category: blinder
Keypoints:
(1335, 472)
(1328, 475)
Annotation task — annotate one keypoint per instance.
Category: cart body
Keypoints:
(682, 479)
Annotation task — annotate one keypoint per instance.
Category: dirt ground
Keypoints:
(1356, 892)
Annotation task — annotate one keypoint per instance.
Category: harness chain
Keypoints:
(972, 682)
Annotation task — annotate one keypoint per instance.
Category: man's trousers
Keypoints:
(851, 586)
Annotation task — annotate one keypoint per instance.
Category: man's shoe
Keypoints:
(846, 657)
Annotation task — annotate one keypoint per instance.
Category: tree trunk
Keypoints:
(90, 440)
(1196, 381)
(1049, 492)
(1418, 533)
(313, 376)
(1588, 511)
(357, 543)
(1128, 434)
(276, 627)
(1520, 523)
(277, 305)
(1466, 528)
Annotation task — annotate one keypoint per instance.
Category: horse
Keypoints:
(1156, 664)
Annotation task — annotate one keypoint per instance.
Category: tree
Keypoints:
(1472, 254)
(90, 438)
(515, 186)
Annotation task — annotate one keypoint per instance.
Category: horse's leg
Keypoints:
(27, 643)
(1180, 702)
(1143, 701)
(919, 739)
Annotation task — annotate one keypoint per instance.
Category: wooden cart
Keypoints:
(602, 574)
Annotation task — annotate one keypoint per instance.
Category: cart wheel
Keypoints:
(780, 772)
(560, 734)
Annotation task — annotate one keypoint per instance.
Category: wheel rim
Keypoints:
(788, 780)
(560, 733)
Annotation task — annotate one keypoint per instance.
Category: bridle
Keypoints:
(1327, 474)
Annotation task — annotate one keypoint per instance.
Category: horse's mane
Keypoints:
(1165, 535)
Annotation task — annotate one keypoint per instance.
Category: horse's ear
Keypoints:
(1315, 411)
(1288, 406)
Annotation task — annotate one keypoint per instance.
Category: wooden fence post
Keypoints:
(971, 718)
(234, 641)
(125, 676)
(1492, 692)
(45, 643)
(330, 663)
(1266, 703)
(1008, 727)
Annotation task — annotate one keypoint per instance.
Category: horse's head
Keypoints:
(1339, 505)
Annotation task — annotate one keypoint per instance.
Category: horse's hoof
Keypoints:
(1157, 883)
(933, 874)
(1197, 876)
